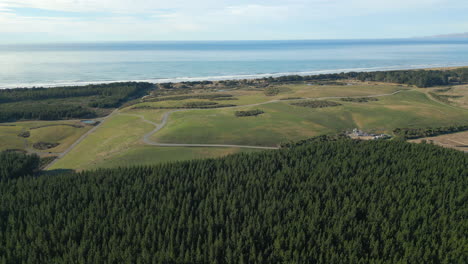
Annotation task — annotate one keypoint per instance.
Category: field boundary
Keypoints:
(147, 137)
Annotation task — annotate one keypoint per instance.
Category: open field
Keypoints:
(149, 155)
(63, 132)
(283, 122)
(119, 141)
(118, 134)
(457, 141)
(254, 96)
(456, 95)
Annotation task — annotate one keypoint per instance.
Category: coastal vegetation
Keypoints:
(67, 102)
(42, 111)
(337, 201)
(419, 78)
(108, 95)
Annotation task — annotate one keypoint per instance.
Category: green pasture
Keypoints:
(255, 96)
(118, 142)
(40, 131)
(140, 155)
(117, 134)
(283, 122)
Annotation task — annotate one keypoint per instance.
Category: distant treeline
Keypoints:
(66, 102)
(108, 95)
(39, 111)
(255, 112)
(325, 202)
(316, 104)
(413, 133)
(419, 78)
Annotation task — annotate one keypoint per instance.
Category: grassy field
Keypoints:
(255, 96)
(150, 155)
(457, 95)
(283, 122)
(457, 141)
(118, 142)
(40, 131)
(118, 134)
(154, 115)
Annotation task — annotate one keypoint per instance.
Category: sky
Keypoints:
(30, 21)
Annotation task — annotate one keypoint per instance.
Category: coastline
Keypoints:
(233, 77)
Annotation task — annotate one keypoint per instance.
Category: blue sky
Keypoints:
(143, 20)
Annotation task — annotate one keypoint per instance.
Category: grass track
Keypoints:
(283, 122)
(119, 141)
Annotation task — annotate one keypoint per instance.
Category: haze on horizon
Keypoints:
(29, 21)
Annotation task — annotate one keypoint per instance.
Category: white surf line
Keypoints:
(147, 137)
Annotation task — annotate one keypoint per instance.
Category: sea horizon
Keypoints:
(69, 64)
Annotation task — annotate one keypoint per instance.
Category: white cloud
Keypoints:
(148, 5)
(208, 19)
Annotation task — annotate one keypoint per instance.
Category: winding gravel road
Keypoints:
(72, 146)
(147, 137)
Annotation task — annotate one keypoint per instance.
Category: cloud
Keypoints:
(215, 19)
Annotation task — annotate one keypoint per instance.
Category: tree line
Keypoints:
(419, 78)
(339, 201)
(14, 165)
(41, 111)
(113, 92)
(66, 102)
(413, 133)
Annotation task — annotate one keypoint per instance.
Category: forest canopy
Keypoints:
(66, 102)
(339, 201)
(14, 165)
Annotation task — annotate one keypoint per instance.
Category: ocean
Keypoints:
(47, 65)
